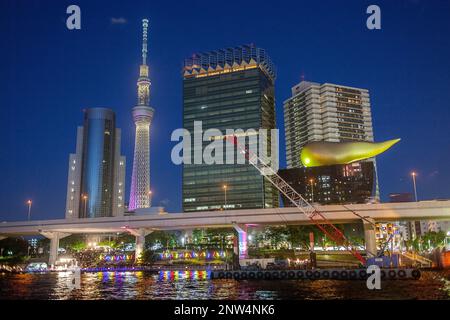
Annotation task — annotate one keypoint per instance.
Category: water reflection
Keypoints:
(197, 285)
(183, 275)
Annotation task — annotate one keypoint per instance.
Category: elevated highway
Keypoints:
(384, 212)
(142, 225)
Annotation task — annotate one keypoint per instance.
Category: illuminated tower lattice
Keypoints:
(140, 196)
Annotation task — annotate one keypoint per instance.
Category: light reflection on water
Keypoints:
(184, 275)
(197, 285)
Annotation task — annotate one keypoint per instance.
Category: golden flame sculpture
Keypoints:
(322, 153)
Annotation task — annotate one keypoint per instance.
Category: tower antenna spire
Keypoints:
(140, 195)
(144, 41)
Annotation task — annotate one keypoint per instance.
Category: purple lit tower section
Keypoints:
(140, 196)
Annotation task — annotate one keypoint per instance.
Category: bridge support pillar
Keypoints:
(369, 237)
(242, 240)
(140, 235)
(54, 244)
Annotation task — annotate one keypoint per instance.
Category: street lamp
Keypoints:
(311, 181)
(29, 202)
(85, 197)
(413, 174)
(225, 193)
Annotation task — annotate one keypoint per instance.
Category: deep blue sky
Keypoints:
(48, 74)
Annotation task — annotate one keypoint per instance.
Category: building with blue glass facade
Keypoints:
(97, 170)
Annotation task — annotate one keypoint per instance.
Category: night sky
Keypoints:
(48, 74)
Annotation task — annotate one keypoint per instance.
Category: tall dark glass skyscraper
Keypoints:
(97, 170)
(232, 88)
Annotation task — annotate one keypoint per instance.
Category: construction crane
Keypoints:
(304, 206)
(384, 246)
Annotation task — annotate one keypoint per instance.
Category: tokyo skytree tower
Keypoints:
(140, 196)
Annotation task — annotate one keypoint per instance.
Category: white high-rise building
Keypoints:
(140, 196)
(325, 112)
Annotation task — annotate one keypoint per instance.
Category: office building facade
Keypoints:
(420, 228)
(326, 112)
(337, 184)
(232, 88)
(95, 186)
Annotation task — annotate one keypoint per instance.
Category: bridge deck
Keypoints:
(384, 212)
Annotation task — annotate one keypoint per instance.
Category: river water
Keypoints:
(197, 285)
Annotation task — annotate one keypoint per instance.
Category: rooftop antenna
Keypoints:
(144, 40)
